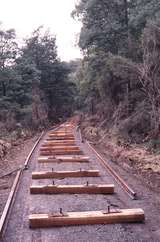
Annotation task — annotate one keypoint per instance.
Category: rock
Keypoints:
(154, 167)
(4, 147)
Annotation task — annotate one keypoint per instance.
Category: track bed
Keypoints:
(26, 204)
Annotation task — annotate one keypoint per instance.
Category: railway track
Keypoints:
(60, 147)
(10, 200)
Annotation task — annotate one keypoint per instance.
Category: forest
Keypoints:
(119, 76)
(80, 121)
(35, 87)
(116, 84)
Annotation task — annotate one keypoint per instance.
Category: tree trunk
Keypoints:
(3, 88)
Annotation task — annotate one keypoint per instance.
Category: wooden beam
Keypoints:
(62, 174)
(62, 148)
(61, 143)
(84, 218)
(61, 152)
(67, 125)
(64, 130)
(57, 137)
(55, 189)
(62, 135)
(60, 139)
(61, 132)
(74, 159)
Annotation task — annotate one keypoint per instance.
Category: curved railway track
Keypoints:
(19, 173)
(60, 147)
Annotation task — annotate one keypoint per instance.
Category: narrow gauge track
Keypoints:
(120, 180)
(60, 147)
(14, 188)
(10, 200)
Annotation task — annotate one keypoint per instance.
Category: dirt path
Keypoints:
(25, 204)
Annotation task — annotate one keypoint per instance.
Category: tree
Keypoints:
(108, 80)
(41, 50)
(105, 25)
(34, 83)
(149, 72)
(8, 51)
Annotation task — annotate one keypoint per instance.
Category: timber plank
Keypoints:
(56, 189)
(61, 135)
(50, 159)
(58, 137)
(61, 139)
(62, 132)
(84, 218)
(61, 143)
(61, 148)
(61, 152)
(62, 174)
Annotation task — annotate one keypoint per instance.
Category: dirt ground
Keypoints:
(135, 157)
(18, 230)
(12, 161)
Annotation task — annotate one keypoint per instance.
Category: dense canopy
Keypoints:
(118, 78)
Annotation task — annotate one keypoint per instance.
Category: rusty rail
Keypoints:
(31, 152)
(9, 202)
(123, 184)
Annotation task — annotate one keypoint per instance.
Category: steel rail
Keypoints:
(9, 203)
(3, 219)
(123, 184)
(31, 152)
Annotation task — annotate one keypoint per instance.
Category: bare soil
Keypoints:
(13, 160)
(133, 157)
(18, 225)
(136, 157)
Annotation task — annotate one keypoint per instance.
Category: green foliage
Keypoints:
(41, 50)
(105, 25)
(119, 74)
(34, 84)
